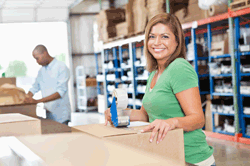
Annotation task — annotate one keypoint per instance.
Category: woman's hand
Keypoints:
(162, 127)
(107, 117)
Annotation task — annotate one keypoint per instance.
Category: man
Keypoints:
(52, 80)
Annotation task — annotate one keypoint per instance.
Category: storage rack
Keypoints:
(207, 32)
(81, 86)
(235, 54)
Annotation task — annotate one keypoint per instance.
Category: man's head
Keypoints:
(41, 55)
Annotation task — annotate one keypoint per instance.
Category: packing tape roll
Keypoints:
(121, 96)
(217, 9)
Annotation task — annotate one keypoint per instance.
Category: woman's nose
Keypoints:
(157, 40)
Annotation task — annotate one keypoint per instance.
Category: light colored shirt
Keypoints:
(161, 103)
(51, 79)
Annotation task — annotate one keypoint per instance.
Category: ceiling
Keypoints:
(13, 11)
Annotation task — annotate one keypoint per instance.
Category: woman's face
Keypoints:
(161, 42)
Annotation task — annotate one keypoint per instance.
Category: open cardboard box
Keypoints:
(78, 149)
(18, 124)
(172, 146)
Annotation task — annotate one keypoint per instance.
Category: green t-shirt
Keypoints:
(161, 103)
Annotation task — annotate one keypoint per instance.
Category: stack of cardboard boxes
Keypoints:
(107, 21)
(112, 22)
(155, 7)
(191, 13)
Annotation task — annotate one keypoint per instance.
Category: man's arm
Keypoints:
(52, 97)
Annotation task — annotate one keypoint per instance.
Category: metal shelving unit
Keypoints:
(82, 95)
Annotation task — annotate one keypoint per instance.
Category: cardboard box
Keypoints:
(80, 149)
(129, 16)
(122, 29)
(25, 109)
(192, 13)
(10, 80)
(91, 82)
(219, 48)
(18, 124)
(10, 94)
(172, 146)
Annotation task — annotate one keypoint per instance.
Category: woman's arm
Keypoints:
(139, 115)
(194, 117)
(190, 102)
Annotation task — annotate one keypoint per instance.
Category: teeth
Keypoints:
(158, 49)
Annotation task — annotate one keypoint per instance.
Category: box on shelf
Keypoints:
(191, 13)
(107, 20)
(155, 7)
(139, 15)
(132, 137)
(129, 17)
(239, 4)
(25, 109)
(122, 29)
(79, 149)
(14, 124)
(203, 69)
(91, 82)
(219, 48)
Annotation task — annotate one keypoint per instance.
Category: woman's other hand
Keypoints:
(162, 127)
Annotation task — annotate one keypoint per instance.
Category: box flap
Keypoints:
(100, 130)
(14, 117)
(83, 149)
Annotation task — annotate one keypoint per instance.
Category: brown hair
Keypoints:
(174, 24)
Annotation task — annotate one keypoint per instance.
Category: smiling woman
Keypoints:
(172, 98)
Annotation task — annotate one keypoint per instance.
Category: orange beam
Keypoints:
(218, 17)
(220, 136)
(244, 140)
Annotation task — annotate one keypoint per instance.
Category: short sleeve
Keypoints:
(183, 76)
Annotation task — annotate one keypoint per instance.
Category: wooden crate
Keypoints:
(241, 4)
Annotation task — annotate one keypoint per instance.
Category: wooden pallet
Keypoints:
(242, 4)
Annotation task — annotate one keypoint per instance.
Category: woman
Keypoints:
(172, 98)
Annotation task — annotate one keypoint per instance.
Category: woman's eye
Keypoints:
(165, 37)
(151, 37)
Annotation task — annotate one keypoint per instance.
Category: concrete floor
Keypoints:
(226, 153)
(229, 153)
